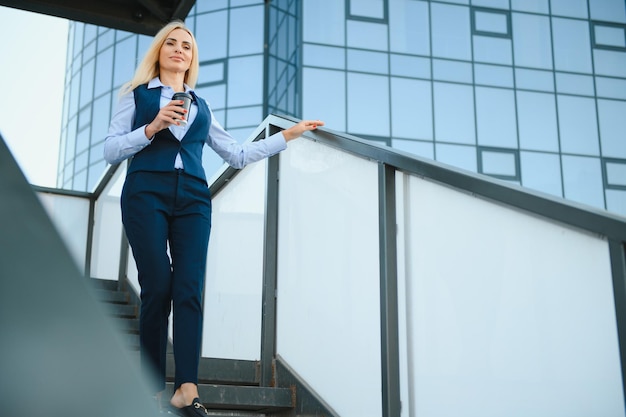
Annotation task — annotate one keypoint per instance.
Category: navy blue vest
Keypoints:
(160, 155)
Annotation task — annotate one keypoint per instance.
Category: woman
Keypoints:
(166, 203)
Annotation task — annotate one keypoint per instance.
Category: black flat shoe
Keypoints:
(196, 409)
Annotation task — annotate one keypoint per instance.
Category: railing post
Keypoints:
(270, 249)
(390, 357)
(618, 266)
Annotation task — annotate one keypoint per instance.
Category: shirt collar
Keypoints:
(156, 82)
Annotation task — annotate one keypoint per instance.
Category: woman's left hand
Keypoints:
(297, 130)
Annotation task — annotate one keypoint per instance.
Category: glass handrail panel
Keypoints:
(328, 299)
(501, 312)
(70, 215)
(107, 230)
(234, 276)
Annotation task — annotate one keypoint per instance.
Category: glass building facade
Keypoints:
(528, 91)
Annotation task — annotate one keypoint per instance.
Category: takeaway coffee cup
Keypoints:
(186, 98)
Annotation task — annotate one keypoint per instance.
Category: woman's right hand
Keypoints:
(167, 116)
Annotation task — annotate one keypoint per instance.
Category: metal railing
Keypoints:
(363, 264)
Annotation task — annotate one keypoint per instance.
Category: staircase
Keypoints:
(228, 388)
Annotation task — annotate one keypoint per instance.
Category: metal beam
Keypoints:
(137, 16)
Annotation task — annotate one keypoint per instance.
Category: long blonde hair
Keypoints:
(149, 67)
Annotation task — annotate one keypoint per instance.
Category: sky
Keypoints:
(33, 75)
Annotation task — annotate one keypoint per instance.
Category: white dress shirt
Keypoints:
(122, 142)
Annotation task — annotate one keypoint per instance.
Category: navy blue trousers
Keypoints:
(161, 210)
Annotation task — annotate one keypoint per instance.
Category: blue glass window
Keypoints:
(612, 127)
(125, 53)
(86, 82)
(534, 6)
(211, 29)
(542, 172)
(569, 8)
(411, 109)
(103, 79)
(368, 61)
(409, 27)
(105, 39)
(84, 118)
(371, 10)
(450, 31)
(574, 84)
(446, 70)
(207, 6)
(493, 75)
(492, 50)
(611, 88)
(213, 72)
(368, 104)
(79, 29)
(332, 13)
(500, 4)
(367, 35)
(537, 121)
(245, 116)
(245, 34)
(609, 36)
(571, 45)
(101, 118)
(582, 180)
(245, 81)
(499, 163)
(323, 95)
(82, 143)
(616, 201)
(215, 95)
(94, 172)
(611, 63)
(491, 22)
(454, 114)
(615, 173)
(90, 33)
(324, 56)
(578, 125)
(79, 182)
(409, 66)
(534, 79)
(495, 115)
(236, 3)
(461, 156)
(608, 10)
(531, 41)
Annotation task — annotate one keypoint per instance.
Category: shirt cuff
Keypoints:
(138, 137)
(275, 143)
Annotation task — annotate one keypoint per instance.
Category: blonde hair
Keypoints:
(149, 67)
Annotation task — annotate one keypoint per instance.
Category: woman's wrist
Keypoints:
(149, 132)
